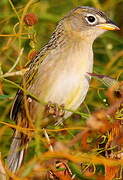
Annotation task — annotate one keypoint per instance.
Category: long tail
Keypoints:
(17, 151)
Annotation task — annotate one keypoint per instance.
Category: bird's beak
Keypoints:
(108, 26)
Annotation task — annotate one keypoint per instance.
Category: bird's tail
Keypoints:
(17, 151)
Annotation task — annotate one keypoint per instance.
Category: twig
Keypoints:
(48, 140)
(17, 73)
(14, 9)
(15, 35)
(16, 62)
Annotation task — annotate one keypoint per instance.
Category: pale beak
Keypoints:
(108, 26)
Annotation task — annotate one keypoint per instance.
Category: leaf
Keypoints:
(4, 96)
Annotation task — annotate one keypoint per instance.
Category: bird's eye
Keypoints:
(91, 19)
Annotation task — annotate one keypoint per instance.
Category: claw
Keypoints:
(54, 110)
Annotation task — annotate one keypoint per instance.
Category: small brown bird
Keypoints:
(58, 74)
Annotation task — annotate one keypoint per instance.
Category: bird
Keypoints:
(57, 76)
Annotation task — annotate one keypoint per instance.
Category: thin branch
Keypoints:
(16, 62)
(48, 140)
(17, 73)
(14, 9)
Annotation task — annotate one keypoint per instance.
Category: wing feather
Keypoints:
(27, 81)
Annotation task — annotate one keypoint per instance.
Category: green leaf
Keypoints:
(4, 96)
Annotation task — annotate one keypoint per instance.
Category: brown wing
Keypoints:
(27, 80)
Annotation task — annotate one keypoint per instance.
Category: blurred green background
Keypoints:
(108, 50)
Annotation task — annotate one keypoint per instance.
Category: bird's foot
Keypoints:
(54, 110)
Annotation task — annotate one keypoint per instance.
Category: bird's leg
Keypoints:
(54, 110)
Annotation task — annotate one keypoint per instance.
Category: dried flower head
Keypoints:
(30, 19)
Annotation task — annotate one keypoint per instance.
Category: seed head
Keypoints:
(30, 19)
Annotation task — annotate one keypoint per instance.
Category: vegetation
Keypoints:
(90, 143)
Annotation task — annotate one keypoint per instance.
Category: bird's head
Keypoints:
(88, 22)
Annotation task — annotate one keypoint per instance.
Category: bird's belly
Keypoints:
(68, 89)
